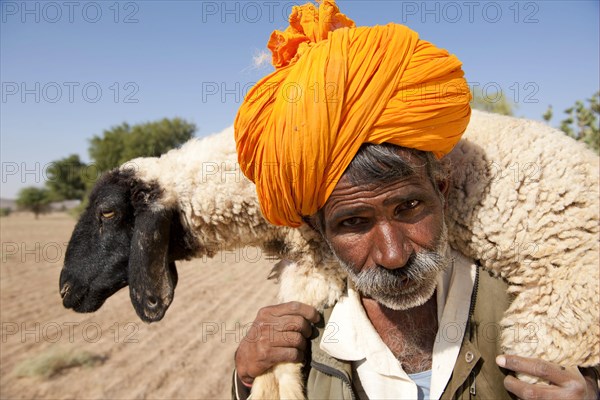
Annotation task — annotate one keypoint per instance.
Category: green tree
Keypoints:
(67, 178)
(581, 122)
(34, 199)
(107, 151)
(124, 142)
(548, 114)
(494, 102)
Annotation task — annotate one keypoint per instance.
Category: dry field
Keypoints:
(187, 355)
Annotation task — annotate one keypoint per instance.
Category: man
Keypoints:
(359, 164)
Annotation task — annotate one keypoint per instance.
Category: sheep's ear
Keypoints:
(152, 278)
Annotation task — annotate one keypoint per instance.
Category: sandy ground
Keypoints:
(187, 355)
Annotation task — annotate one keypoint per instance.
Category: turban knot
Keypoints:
(335, 87)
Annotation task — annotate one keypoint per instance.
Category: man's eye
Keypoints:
(354, 221)
(408, 205)
(412, 203)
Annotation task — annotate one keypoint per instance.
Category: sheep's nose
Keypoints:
(65, 290)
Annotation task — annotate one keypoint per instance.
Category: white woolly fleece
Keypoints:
(525, 203)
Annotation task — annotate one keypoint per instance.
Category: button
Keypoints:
(469, 357)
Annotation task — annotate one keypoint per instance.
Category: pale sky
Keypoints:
(70, 70)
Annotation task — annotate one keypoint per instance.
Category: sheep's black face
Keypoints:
(125, 237)
(96, 261)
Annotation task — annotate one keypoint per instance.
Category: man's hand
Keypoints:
(565, 383)
(278, 334)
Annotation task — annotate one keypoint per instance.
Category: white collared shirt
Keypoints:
(353, 338)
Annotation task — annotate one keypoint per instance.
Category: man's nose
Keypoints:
(390, 249)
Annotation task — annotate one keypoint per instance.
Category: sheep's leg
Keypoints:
(311, 281)
(289, 376)
(265, 386)
(283, 381)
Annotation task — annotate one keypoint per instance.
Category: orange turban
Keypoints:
(334, 88)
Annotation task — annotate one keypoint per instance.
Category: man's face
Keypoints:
(391, 239)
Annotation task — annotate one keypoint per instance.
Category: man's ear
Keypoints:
(151, 277)
(315, 222)
(443, 186)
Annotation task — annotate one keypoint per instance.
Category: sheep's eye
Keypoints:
(108, 214)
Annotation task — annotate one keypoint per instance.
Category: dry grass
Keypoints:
(54, 361)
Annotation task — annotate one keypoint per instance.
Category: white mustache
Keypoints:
(419, 268)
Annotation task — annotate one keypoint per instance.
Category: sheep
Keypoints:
(523, 201)
(151, 212)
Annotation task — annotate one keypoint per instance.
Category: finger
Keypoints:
(551, 372)
(526, 391)
(296, 308)
(277, 339)
(290, 339)
(294, 323)
(285, 354)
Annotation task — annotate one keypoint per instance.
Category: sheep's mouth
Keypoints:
(87, 300)
(81, 301)
(72, 298)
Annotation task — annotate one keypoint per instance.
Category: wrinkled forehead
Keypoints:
(346, 190)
